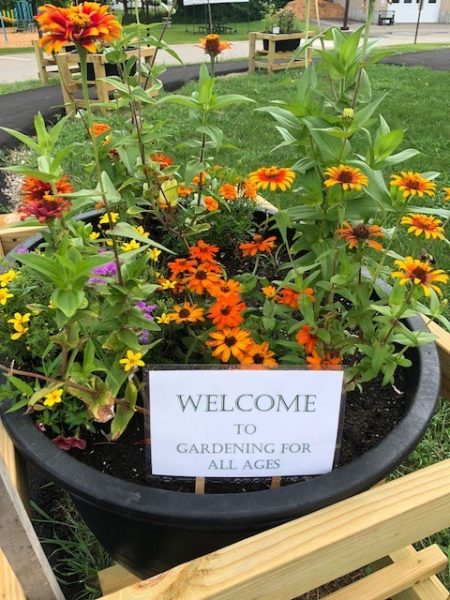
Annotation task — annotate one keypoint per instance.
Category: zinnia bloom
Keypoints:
(316, 361)
(85, 24)
(213, 46)
(361, 234)
(163, 160)
(249, 189)
(227, 311)
(201, 279)
(272, 178)
(211, 203)
(350, 178)
(188, 313)
(259, 354)
(38, 200)
(419, 273)
(184, 191)
(412, 184)
(290, 297)
(180, 266)
(424, 224)
(269, 291)
(132, 360)
(99, 129)
(225, 287)
(307, 339)
(228, 191)
(258, 245)
(203, 251)
(232, 341)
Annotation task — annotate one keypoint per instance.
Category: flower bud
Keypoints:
(348, 114)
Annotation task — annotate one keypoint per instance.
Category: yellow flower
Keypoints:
(272, 178)
(269, 291)
(131, 245)
(18, 323)
(154, 254)
(53, 397)
(424, 224)
(411, 183)
(164, 319)
(141, 231)
(419, 273)
(105, 220)
(166, 284)
(132, 361)
(446, 191)
(6, 278)
(5, 295)
(350, 178)
(94, 235)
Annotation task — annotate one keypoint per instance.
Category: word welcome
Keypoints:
(247, 403)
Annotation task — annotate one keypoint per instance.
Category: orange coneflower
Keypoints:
(161, 158)
(307, 339)
(424, 224)
(272, 178)
(361, 234)
(211, 203)
(85, 24)
(228, 191)
(203, 251)
(419, 273)
(188, 313)
(230, 286)
(316, 361)
(258, 245)
(232, 341)
(39, 201)
(350, 178)
(227, 311)
(213, 46)
(412, 184)
(98, 129)
(259, 354)
(201, 279)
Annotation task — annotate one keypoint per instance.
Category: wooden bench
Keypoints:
(46, 62)
(11, 236)
(386, 16)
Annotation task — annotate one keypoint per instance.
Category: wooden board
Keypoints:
(443, 344)
(339, 538)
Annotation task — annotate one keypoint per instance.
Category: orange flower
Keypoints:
(290, 297)
(350, 178)
(203, 251)
(446, 191)
(212, 45)
(85, 24)
(259, 354)
(211, 203)
(232, 341)
(184, 191)
(228, 191)
(99, 128)
(38, 200)
(200, 178)
(412, 184)
(270, 291)
(307, 339)
(419, 273)
(272, 178)
(258, 245)
(249, 189)
(163, 160)
(315, 361)
(424, 224)
(201, 279)
(225, 287)
(360, 234)
(181, 265)
(188, 313)
(227, 311)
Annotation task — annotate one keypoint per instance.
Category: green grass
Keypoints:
(4, 51)
(20, 86)
(409, 48)
(177, 34)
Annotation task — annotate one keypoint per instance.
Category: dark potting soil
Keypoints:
(369, 416)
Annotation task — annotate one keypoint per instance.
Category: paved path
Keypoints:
(438, 60)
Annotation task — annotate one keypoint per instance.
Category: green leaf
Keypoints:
(21, 385)
(23, 138)
(69, 301)
(112, 195)
(124, 413)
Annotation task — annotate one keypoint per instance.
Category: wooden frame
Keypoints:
(69, 85)
(11, 236)
(46, 61)
(272, 60)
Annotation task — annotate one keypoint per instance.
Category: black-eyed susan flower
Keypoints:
(259, 354)
(412, 184)
(349, 178)
(425, 225)
(360, 234)
(419, 273)
(273, 178)
(231, 342)
(186, 313)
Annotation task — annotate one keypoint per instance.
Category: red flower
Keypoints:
(163, 160)
(69, 443)
(203, 251)
(39, 202)
(306, 339)
(258, 245)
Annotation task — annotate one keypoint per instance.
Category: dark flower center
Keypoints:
(419, 273)
(184, 313)
(258, 359)
(346, 177)
(361, 232)
(229, 341)
(200, 275)
(412, 184)
(225, 310)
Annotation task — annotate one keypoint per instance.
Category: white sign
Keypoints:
(243, 423)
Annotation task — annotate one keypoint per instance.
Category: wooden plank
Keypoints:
(21, 546)
(431, 589)
(115, 578)
(283, 562)
(395, 578)
(443, 345)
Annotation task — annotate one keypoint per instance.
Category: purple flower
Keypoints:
(144, 337)
(108, 270)
(146, 309)
(94, 280)
(21, 251)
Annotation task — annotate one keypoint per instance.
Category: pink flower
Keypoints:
(69, 443)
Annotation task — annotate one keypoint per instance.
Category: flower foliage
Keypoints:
(183, 266)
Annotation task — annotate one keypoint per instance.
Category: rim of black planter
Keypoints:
(228, 512)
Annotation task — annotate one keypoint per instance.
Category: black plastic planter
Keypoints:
(283, 45)
(149, 530)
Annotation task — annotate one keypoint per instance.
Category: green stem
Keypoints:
(364, 50)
